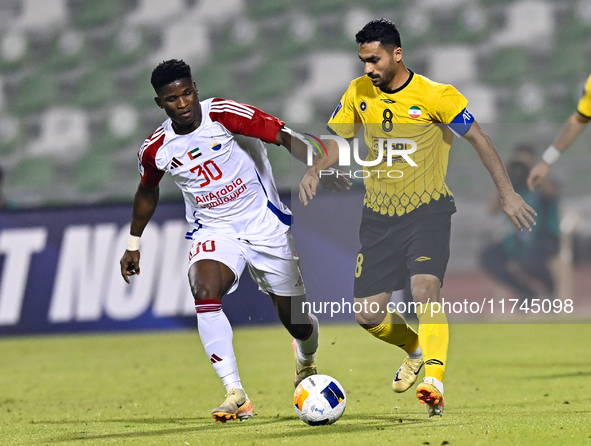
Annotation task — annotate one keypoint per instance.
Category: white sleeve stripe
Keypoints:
(158, 130)
(232, 108)
(233, 104)
(157, 134)
(150, 143)
(232, 111)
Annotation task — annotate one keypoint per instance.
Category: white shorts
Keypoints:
(273, 264)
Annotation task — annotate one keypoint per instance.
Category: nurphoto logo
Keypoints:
(393, 150)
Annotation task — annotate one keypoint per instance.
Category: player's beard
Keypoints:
(386, 77)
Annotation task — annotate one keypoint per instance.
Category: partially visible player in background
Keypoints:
(236, 216)
(405, 224)
(521, 259)
(571, 130)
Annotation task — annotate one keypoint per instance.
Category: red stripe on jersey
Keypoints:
(245, 120)
(208, 305)
(151, 175)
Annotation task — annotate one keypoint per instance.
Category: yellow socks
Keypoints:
(395, 330)
(433, 338)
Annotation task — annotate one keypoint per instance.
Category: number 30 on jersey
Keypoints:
(209, 170)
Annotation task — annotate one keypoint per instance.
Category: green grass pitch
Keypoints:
(505, 385)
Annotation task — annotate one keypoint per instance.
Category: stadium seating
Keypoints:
(528, 23)
(35, 173)
(64, 135)
(464, 68)
(35, 92)
(517, 61)
(92, 13)
(68, 50)
(96, 87)
(42, 15)
(149, 12)
(14, 50)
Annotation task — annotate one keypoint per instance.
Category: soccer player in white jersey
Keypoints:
(236, 216)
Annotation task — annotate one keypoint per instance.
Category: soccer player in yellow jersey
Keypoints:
(571, 130)
(409, 123)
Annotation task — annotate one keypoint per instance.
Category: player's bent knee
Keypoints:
(300, 331)
(201, 292)
(426, 290)
(368, 320)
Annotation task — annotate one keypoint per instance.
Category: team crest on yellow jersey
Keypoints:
(362, 106)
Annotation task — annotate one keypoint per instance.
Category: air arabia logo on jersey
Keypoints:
(229, 192)
(414, 112)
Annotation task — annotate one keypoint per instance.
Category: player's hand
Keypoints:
(519, 212)
(337, 181)
(537, 174)
(308, 185)
(130, 264)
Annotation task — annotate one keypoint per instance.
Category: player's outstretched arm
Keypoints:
(144, 205)
(332, 179)
(317, 173)
(518, 211)
(569, 133)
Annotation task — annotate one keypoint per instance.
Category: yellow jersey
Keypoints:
(413, 118)
(584, 106)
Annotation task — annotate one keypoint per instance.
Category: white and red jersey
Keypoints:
(226, 179)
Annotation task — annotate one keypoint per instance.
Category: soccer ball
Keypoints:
(319, 399)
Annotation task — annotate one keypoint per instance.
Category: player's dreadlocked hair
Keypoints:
(169, 71)
(379, 30)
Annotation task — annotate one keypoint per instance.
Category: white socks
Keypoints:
(416, 354)
(216, 335)
(435, 382)
(307, 348)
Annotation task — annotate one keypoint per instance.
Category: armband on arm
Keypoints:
(461, 123)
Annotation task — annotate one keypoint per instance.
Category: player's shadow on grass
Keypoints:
(126, 420)
(352, 424)
(561, 375)
(186, 425)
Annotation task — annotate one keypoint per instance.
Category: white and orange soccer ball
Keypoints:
(319, 400)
